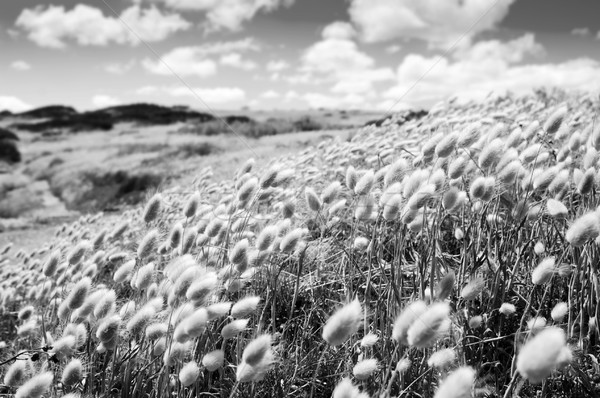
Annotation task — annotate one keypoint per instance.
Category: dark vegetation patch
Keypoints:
(59, 117)
(248, 127)
(405, 117)
(9, 152)
(110, 189)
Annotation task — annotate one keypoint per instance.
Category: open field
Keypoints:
(453, 255)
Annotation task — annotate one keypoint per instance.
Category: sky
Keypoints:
(384, 55)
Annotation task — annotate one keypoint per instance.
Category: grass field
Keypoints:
(455, 255)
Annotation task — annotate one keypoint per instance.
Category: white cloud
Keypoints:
(226, 14)
(88, 26)
(438, 22)
(185, 61)
(235, 60)
(211, 96)
(194, 60)
(20, 65)
(488, 67)
(277, 65)
(117, 68)
(320, 100)
(104, 101)
(338, 30)
(270, 94)
(393, 49)
(581, 31)
(341, 62)
(13, 104)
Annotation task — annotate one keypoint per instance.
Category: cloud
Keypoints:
(235, 60)
(105, 101)
(20, 65)
(120, 68)
(488, 67)
(320, 100)
(184, 61)
(211, 96)
(393, 49)
(88, 26)
(581, 32)
(338, 30)
(226, 14)
(435, 21)
(277, 65)
(340, 62)
(270, 94)
(195, 61)
(13, 104)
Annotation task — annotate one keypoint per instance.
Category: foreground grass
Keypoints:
(451, 256)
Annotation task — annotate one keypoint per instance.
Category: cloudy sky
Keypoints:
(296, 54)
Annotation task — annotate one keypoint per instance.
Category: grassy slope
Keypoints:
(400, 258)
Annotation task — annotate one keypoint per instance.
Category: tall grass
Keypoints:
(451, 256)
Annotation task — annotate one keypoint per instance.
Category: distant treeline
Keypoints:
(59, 117)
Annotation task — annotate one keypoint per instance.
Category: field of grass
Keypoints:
(450, 256)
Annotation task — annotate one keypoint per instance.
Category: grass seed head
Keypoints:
(406, 318)
(458, 384)
(213, 360)
(428, 327)
(73, 373)
(37, 386)
(540, 355)
(442, 359)
(152, 208)
(343, 323)
(189, 373)
(584, 229)
(365, 368)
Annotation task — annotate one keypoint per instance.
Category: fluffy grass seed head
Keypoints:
(191, 207)
(555, 120)
(543, 273)
(365, 183)
(442, 359)
(446, 146)
(106, 304)
(458, 384)
(369, 340)
(152, 208)
(266, 237)
(345, 389)
(343, 323)
(365, 368)
(472, 289)
(124, 272)
(406, 318)
(148, 244)
(351, 177)
(73, 373)
(584, 229)
(37, 386)
(189, 373)
(428, 327)
(257, 350)
(559, 311)
(556, 209)
(245, 307)
(51, 263)
(213, 360)
(290, 240)
(16, 374)
(312, 199)
(75, 256)
(540, 355)
(507, 309)
(78, 293)
(234, 328)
